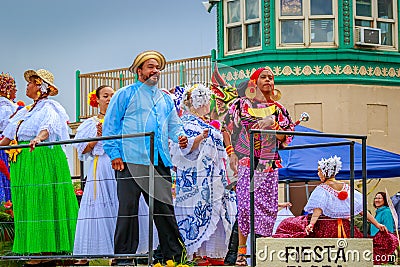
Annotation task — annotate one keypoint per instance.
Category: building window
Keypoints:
(377, 14)
(304, 23)
(242, 25)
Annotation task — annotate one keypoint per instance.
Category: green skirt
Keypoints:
(44, 202)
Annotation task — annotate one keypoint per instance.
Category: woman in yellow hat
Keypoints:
(45, 206)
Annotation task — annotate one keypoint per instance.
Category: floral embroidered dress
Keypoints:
(7, 108)
(99, 205)
(334, 221)
(243, 114)
(45, 205)
(204, 209)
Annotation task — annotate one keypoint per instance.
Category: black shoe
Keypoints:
(158, 256)
(142, 261)
(124, 262)
(230, 258)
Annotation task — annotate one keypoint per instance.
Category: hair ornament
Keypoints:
(44, 87)
(331, 166)
(92, 99)
(198, 93)
(7, 83)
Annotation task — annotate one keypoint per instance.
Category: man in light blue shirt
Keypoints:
(138, 108)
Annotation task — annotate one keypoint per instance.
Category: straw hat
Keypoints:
(146, 55)
(46, 76)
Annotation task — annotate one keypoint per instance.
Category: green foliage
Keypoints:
(6, 223)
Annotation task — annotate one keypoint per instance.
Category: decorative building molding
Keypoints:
(346, 22)
(319, 70)
(267, 22)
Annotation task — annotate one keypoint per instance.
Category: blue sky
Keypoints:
(93, 35)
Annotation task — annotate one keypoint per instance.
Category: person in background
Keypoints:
(204, 209)
(383, 214)
(258, 109)
(328, 209)
(139, 108)
(97, 215)
(45, 205)
(8, 92)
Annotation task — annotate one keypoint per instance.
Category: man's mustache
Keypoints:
(155, 74)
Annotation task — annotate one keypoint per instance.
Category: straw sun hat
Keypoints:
(146, 55)
(46, 76)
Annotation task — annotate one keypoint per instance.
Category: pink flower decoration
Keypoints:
(216, 124)
(245, 162)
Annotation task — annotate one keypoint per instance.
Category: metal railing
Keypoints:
(150, 204)
(176, 72)
(352, 175)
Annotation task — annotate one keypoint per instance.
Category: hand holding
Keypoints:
(284, 204)
(99, 127)
(118, 164)
(233, 163)
(182, 141)
(205, 133)
(382, 228)
(33, 143)
(309, 228)
(265, 122)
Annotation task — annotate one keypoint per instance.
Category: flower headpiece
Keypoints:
(92, 99)
(330, 167)
(199, 94)
(44, 86)
(7, 83)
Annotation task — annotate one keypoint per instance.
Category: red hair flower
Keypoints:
(78, 192)
(342, 195)
(7, 204)
(21, 103)
(92, 99)
(216, 124)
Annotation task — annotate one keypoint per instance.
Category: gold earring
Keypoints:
(38, 93)
(8, 95)
(276, 95)
(250, 92)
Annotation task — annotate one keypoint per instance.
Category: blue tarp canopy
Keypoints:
(301, 164)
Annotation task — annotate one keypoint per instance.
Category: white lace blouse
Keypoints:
(7, 108)
(88, 129)
(326, 198)
(46, 115)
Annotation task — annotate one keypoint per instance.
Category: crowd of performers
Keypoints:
(197, 216)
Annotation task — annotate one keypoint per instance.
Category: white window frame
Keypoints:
(243, 23)
(375, 20)
(306, 17)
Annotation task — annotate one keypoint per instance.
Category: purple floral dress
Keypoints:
(243, 114)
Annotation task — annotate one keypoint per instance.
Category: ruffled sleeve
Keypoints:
(6, 110)
(11, 127)
(317, 199)
(54, 120)
(87, 129)
(324, 197)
